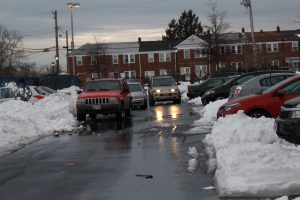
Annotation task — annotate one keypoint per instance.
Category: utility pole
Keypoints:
(247, 4)
(67, 47)
(56, 40)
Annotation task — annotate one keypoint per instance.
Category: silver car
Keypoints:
(139, 95)
(257, 84)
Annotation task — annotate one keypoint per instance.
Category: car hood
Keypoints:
(163, 87)
(97, 94)
(137, 94)
(241, 100)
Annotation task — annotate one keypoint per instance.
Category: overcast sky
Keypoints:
(126, 20)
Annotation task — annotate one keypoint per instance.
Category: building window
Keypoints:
(295, 46)
(115, 59)
(272, 47)
(150, 57)
(149, 74)
(186, 53)
(93, 60)
(129, 74)
(129, 58)
(200, 70)
(220, 66)
(258, 48)
(113, 74)
(237, 65)
(96, 75)
(222, 50)
(200, 53)
(236, 49)
(163, 72)
(78, 60)
(186, 73)
(164, 57)
(274, 62)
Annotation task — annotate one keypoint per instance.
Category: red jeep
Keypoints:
(104, 96)
(266, 104)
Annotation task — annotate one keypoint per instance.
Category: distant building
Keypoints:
(191, 59)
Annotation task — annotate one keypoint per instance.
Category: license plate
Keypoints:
(96, 107)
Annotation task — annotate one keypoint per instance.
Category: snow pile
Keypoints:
(209, 116)
(193, 162)
(196, 101)
(183, 90)
(22, 122)
(251, 160)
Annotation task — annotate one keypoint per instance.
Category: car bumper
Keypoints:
(165, 96)
(288, 129)
(98, 108)
(138, 102)
(193, 95)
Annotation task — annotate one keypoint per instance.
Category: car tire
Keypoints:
(81, 117)
(258, 114)
(151, 102)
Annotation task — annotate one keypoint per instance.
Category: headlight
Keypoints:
(296, 113)
(210, 92)
(172, 90)
(232, 106)
(81, 100)
(113, 100)
(157, 91)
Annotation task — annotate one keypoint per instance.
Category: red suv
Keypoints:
(266, 104)
(104, 96)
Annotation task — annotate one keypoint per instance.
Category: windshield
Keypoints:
(275, 86)
(244, 79)
(163, 82)
(103, 86)
(229, 79)
(135, 87)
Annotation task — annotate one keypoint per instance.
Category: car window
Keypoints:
(243, 79)
(48, 90)
(292, 88)
(266, 82)
(163, 82)
(276, 86)
(135, 87)
(215, 82)
(103, 86)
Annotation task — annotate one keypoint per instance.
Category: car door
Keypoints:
(284, 93)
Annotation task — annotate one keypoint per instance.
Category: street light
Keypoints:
(71, 6)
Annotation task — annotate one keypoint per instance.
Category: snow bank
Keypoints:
(251, 160)
(22, 122)
(193, 162)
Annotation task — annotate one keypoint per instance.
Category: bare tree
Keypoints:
(10, 54)
(217, 25)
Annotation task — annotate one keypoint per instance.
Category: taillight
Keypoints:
(38, 96)
(190, 89)
(238, 90)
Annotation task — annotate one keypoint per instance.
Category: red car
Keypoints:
(104, 96)
(266, 104)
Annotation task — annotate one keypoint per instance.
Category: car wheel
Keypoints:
(257, 114)
(93, 116)
(81, 117)
(128, 112)
(151, 102)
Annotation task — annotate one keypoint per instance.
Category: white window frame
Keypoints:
(165, 57)
(220, 66)
(295, 46)
(222, 49)
(95, 75)
(237, 65)
(203, 70)
(115, 59)
(150, 57)
(236, 49)
(128, 58)
(132, 58)
(79, 61)
(186, 54)
(131, 74)
(93, 60)
(149, 74)
(258, 48)
(200, 53)
(274, 62)
(163, 72)
(272, 47)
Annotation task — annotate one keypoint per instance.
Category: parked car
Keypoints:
(6, 94)
(287, 125)
(163, 88)
(39, 92)
(104, 96)
(223, 91)
(257, 84)
(139, 95)
(198, 90)
(266, 104)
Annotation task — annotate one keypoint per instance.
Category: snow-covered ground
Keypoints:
(23, 122)
(247, 158)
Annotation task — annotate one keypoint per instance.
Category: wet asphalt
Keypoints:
(141, 158)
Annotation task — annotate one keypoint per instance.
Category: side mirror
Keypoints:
(279, 93)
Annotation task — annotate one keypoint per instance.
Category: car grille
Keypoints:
(96, 100)
(285, 114)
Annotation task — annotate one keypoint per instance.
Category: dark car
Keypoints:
(198, 90)
(223, 91)
(287, 125)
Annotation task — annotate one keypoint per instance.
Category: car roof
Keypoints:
(107, 79)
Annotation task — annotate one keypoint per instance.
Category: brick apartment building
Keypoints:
(190, 59)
